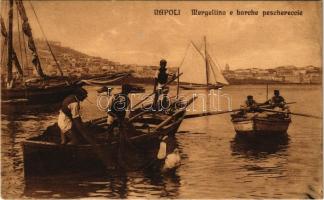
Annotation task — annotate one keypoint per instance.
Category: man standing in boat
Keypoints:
(161, 78)
(69, 119)
(118, 109)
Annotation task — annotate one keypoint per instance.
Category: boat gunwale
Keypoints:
(167, 127)
(262, 119)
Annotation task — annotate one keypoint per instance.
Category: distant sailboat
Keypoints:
(200, 71)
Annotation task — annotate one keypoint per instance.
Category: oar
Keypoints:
(170, 81)
(138, 115)
(269, 106)
(175, 114)
(203, 114)
(292, 113)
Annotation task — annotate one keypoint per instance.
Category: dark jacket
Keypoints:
(119, 105)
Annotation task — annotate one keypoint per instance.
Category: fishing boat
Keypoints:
(22, 88)
(261, 123)
(199, 70)
(135, 146)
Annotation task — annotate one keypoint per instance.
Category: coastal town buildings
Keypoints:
(74, 63)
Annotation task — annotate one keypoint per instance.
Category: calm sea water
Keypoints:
(215, 163)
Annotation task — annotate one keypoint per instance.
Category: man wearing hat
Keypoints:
(69, 119)
(118, 109)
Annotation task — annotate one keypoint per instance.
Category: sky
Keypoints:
(128, 32)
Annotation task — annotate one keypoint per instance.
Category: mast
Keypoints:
(178, 82)
(10, 45)
(31, 43)
(267, 92)
(206, 62)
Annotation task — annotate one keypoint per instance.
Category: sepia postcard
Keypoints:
(161, 99)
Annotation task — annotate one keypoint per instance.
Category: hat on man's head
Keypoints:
(104, 89)
(81, 93)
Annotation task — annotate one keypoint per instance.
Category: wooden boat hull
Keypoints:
(259, 125)
(46, 158)
(34, 96)
(200, 87)
(55, 91)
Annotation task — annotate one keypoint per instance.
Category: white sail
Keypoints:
(193, 67)
(215, 74)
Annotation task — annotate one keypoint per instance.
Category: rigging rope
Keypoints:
(216, 64)
(2, 53)
(20, 48)
(25, 49)
(3, 45)
(57, 64)
(184, 55)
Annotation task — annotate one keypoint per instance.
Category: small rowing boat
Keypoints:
(260, 123)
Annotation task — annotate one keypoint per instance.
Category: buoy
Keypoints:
(172, 160)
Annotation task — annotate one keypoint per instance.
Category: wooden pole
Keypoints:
(155, 91)
(206, 61)
(10, 45)
(178, 83)
(267, 92)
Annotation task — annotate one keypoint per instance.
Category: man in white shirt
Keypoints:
(69, 119)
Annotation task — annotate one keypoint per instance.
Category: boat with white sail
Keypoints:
(199, 70)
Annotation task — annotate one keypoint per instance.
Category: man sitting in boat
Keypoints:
(118, 109)
(161, 78)
(69, 119)
(250, 105)
(277, 101)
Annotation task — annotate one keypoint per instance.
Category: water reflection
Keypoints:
(256, 147)
(29, 109)
(14, 130)
(147, 184)
(213, 162)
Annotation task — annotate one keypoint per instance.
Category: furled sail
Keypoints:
(31, 44)
(14, 55)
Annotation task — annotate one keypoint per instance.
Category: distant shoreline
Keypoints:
(150, 80)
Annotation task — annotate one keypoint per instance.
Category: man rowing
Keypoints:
(250, 105)
(277, 101)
